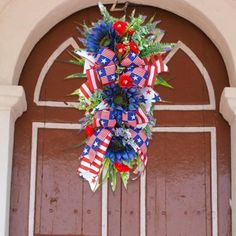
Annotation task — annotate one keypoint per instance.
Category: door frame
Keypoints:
(17, 43)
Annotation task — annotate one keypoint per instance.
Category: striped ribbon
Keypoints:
(95, 148)
(102, 71)
(142, 71)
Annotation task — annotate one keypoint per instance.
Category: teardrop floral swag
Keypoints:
(122, 62)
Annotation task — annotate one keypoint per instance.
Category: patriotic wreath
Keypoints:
(122, 62)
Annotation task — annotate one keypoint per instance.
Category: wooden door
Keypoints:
(186, 188)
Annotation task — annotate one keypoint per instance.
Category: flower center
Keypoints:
(120, 100)
(119, 69)
(116, 146)
(105, 41)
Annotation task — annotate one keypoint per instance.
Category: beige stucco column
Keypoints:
(12, 105)
(228, 110)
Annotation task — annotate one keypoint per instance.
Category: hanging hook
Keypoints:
(114, 7)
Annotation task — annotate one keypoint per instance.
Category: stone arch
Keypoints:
(179, 46)
(40, 18)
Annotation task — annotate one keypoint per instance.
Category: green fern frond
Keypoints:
(156, 48)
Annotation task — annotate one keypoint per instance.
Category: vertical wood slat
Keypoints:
(104, 206)
(143, 204)
(130, 209)
(114, 210)
(32, 180)
(213, 162)
(214, 191)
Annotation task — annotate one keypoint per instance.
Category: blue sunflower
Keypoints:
(120, 152)
(123, 99)
(100, 35)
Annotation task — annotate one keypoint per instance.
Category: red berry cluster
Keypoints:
(121, 28)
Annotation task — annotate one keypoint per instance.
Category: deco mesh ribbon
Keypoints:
(122, 62)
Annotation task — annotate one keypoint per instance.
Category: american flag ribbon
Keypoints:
(108, 119)
(129, 118)
(93, 79)
(89, 87)
(141, 118)
(138, 74)
(141, 140)
(102, 72)
(103, 105)
(154, 67)
(143, 72)
(135, 68)
(86, 91)
(107, 74)
(94, 143)
(104, 118)
(132, 60)
(107, 61)
(106, 57)
(96, 147)
(161, 66)
(149, 97)
(90, 170)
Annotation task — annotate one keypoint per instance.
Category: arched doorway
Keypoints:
(186, 189)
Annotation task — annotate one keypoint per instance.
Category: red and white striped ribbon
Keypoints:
(90, 170)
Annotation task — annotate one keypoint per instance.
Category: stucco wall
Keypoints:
(3, 4)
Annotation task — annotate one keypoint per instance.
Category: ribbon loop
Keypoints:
(107, 74)
(138, 74)
(107, 61)
(106, 57)
(132, 60)
(104, 71)
(105, 119)
(141, 140)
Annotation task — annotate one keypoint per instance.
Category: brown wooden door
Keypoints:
(186, 188)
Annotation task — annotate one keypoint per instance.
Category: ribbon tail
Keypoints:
(88, 88)
(106, 60)
(91, 163)
(156, 67)
(161, 66)
(150, 96)
(87, 172)
(141, 119)
(86, 92)
(143, 158)
(141, 141)
(93, 79)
